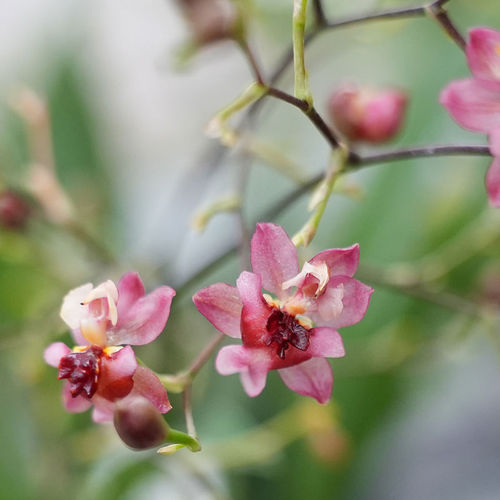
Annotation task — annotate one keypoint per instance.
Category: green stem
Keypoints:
(218, 127)
(174, 383)
(188, 412)
(302, 90)
(231, 203)
(178, 383)
(179, 437)
(320, 198)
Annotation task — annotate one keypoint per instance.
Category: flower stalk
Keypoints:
(439, 14)
(320, 198)
(231, 203)
(178, 437)
(218, 127)
(302, 90)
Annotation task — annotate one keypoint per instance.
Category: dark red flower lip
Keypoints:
(285, 330)
(82, 370)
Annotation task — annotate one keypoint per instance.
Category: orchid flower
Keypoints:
(474, 103)
(101, 369)
(294, 329)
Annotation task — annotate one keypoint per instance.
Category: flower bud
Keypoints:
(14, 210)
(139, 424)
(210, 20)
(370, 115)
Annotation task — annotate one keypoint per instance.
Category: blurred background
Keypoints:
(119, 164)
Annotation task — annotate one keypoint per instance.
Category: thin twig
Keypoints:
(376, 16)
(438, 297)
(310, 112)
(440, 15)
(252, 61)
(188, 412)
(204, 355)
(357, 161)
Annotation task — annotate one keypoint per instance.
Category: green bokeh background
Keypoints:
(277, 445)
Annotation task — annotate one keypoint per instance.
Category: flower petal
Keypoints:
(252, 364)
(115, 378)
(148, 385)
(93, 331)
(76, 404)
(342, 261)
(104, 292)
(493, 183)
(221, 305)
(331, 304)
(53, 354)
(103, 410)
(312, 278)
(254, 379)
(255, 310)
(326, 343)
(72, 310)
(312, 378)
(274, 257)
(130, 290)
(472, 104)
(231, 359)
(483, 54)
(144, 320)
(355, 301)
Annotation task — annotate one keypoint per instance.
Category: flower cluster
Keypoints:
(102, 368)
(474, 103)
(293, 330)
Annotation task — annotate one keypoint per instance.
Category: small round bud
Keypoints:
(210, 20)
(139, 424)
(14, 210)
(370, 115)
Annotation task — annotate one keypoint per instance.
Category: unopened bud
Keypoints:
(210, 20)
(139, 424)
(14, 210)
(370, 115)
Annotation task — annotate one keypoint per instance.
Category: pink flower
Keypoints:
(99, 371)
(474, 103)
(370, 115)
(295, 330)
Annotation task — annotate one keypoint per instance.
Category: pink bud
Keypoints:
(210, 20)
(371, 115)
(14, 210)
